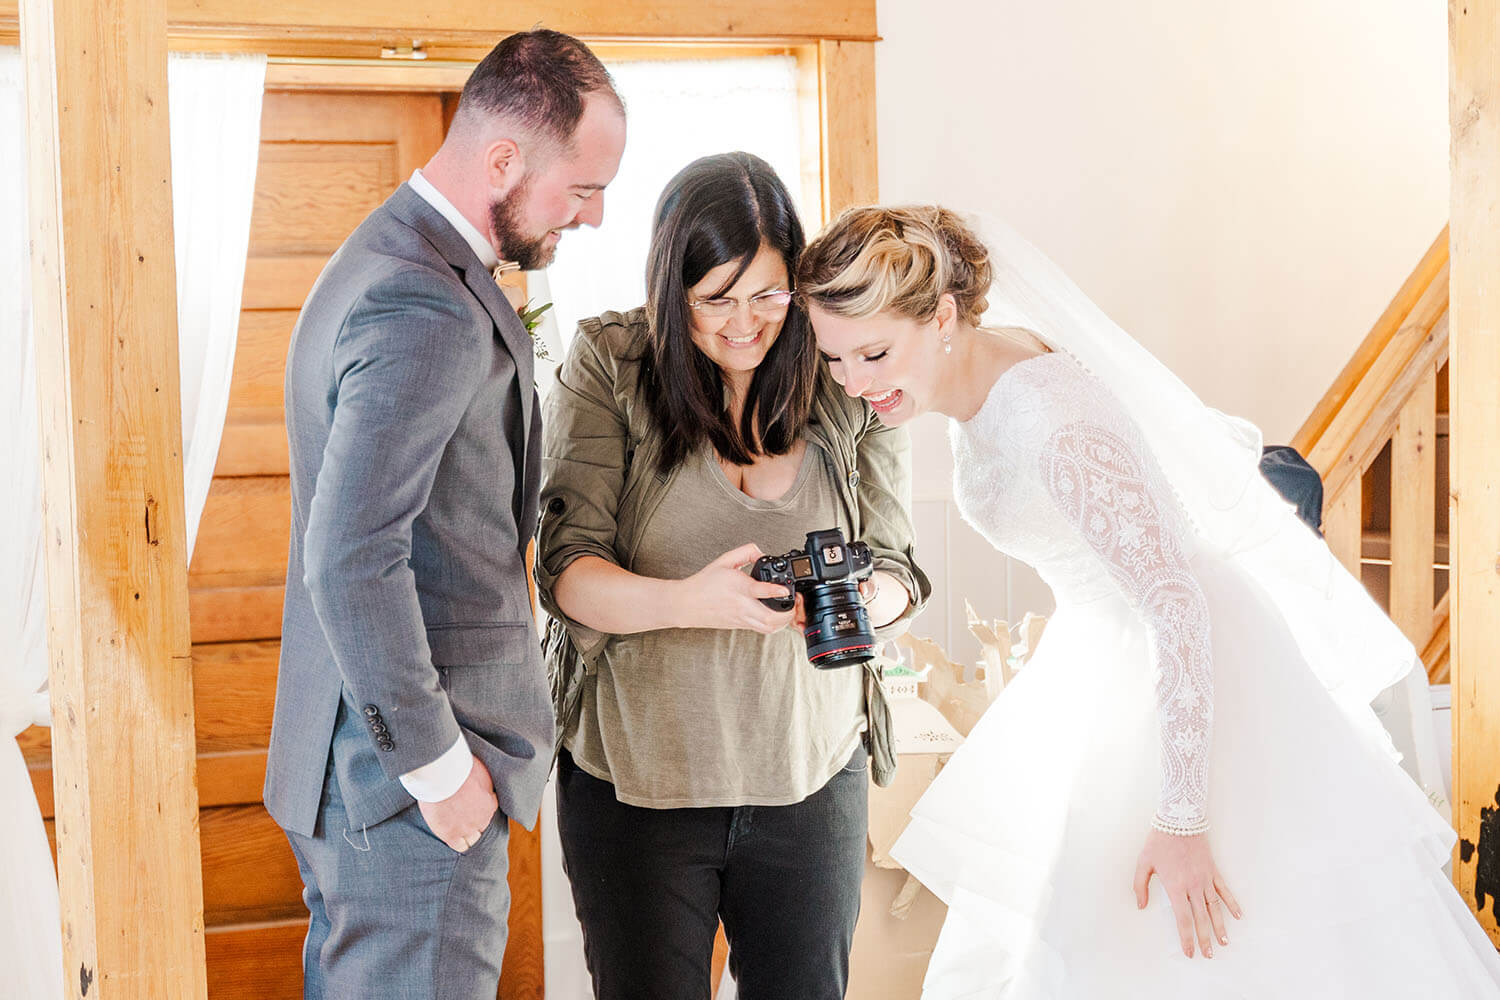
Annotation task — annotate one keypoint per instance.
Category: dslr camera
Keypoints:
(827, 574)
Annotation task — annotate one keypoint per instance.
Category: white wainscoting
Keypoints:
(960, 562)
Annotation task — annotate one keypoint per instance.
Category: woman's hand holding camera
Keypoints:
(722, 595)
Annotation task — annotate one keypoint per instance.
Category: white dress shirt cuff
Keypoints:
(440, 779)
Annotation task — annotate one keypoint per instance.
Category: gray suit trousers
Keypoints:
(398, 914)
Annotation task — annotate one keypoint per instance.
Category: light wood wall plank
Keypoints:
(1474, 310)
(104, 309)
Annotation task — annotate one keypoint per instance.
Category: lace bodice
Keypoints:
(1053, 472)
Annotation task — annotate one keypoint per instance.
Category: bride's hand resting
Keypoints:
(1193, 885)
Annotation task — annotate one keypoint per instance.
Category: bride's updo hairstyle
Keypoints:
(896, 260)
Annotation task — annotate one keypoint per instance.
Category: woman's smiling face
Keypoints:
(739, 342)
(892, 361)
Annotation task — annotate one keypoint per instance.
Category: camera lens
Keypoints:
(838, 629)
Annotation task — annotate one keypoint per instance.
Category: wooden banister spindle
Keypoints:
(1413, 519)
(1341, 525)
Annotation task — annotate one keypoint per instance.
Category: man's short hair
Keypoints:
(539, 79)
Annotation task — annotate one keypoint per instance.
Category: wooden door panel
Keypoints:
(244, 534)
(280, 282)
(232, 614)
(249, 874)
(254, 444)
(260, 360)
(234, 687)
(256, 962)
(310, 197)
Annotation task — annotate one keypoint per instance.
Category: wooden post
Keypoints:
(847, 75)
(105, 314)
(1474, 314)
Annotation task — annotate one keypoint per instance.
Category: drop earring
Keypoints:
(948, 343)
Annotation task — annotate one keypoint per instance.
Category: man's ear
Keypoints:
(504, 165)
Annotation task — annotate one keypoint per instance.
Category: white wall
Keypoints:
(1242, 185)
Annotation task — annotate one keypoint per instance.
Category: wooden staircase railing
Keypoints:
(1379, 440)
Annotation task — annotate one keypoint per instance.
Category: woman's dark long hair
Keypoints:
(720, 209)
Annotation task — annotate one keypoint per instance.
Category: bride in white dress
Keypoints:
(1188, 768)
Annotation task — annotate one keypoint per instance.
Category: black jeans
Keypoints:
(651, 886)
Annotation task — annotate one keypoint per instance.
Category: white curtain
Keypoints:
(214, 104)
(30, 944)
(676, 111)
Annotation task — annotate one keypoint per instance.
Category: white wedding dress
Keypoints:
(1167, 690)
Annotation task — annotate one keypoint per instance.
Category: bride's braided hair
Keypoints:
(900, 260)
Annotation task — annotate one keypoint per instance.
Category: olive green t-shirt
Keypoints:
(720, 717)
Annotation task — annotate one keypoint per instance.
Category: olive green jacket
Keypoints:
(601, 483)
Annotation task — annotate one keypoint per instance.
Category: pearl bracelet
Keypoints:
(1178, 829)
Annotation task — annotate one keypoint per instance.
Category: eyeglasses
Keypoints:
(765, 303)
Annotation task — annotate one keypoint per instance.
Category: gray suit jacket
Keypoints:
(415, 448)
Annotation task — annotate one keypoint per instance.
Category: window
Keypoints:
(676, 111)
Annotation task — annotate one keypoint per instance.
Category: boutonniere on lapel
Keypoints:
(531, 317)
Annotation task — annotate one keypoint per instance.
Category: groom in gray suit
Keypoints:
(412, 709)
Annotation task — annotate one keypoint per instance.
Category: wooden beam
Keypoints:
(810, 135)
(1351, 449)
(468, 28)
(850, 177)
(1474, 316)
(417, 76)
(1363, 404)
(105, 318)
(1428, 272)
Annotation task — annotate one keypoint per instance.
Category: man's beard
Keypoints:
(515, 243)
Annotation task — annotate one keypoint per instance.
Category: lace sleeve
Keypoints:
(1106, 488)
